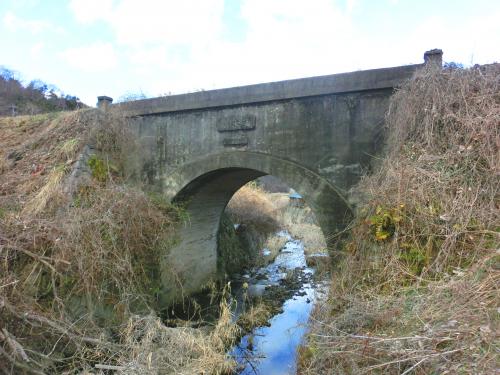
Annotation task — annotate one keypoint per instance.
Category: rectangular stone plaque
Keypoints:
(234, 123)
(237, 140)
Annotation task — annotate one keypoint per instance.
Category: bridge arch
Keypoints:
(207, 184)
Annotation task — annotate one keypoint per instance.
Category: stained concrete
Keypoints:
(316, 134)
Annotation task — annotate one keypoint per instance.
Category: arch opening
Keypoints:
(267, 213)
(206, 186)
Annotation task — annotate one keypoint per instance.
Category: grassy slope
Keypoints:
(416, 291)
(77, 272)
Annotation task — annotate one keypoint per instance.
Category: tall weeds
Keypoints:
(264, 213)
(417, 289)
(79, 272)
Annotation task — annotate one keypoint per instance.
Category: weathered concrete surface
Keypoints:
(316, 134)
(374, 79)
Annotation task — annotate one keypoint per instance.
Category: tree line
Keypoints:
(33, 98)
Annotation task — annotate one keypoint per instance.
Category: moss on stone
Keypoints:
(98, 168)
(234, 251)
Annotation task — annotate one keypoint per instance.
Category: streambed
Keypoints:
(288, 282)
(288, 289)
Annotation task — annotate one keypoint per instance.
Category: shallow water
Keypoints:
(272, 350)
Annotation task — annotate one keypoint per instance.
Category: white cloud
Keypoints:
(283, 39)
(167, 22)
(293, 33)
(351, 5)
(469, 42)
(88, 11)
(97, 57)
(484, 35)
(292, 21)
(36, 49)
(155, 21)
(180, 46)
(14, 23)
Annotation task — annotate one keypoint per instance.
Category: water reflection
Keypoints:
(272, 350)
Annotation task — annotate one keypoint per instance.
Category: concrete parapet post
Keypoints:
(103, 102)
(434, 57)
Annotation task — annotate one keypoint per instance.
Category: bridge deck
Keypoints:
(362, 80)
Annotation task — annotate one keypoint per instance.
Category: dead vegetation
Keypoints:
(79, 272)
(264, 213)
(154, 348)
(417, 289)
(256, 213)
(301, 224)
(257, 315)
(252, 207)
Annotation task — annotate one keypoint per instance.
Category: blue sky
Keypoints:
(119, 47)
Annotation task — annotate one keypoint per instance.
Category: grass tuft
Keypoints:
(49, 192)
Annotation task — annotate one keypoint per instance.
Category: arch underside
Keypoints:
(206, 186)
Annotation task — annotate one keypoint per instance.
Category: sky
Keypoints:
(124, 48)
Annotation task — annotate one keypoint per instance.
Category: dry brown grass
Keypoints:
(448, 327)
(254, 210)
(274, 244)
(251, 206)
(417, 290)
(280, 200)
(48, 192)
(153, 348)
(267, 212)
(32, 148)
(301, 224)
(257, 315)
(75, 270)
(312, 237)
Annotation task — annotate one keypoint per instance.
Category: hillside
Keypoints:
(79, 260)
(417, 289)
(34, 98)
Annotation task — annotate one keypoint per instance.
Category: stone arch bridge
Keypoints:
(316, 134)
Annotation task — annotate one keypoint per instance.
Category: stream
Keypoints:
(288, 288)
(272, 349)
